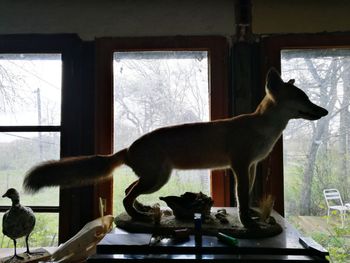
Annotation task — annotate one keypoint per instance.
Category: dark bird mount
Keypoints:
(18, 221)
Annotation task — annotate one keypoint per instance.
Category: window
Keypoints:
(58, 111)
(178, 80)
(153, 89)
(44, 108)
(315, 154)
(30, 117)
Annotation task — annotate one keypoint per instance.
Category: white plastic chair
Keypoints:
(335, 202)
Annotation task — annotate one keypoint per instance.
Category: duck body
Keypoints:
(18, 221)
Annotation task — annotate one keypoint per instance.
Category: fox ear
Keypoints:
(273, 80)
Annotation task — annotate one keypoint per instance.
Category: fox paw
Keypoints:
(248, 222)
(139, 216)
(143, 208)
(254, 213)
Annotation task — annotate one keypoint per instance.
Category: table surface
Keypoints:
(6, 252)
(282, 247)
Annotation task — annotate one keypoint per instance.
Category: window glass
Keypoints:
(30, 89)
(44, 233)
(19, 151)
(316, 153)
(153, 89)
(30, 95)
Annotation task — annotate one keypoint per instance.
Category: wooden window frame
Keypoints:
(73, 122)
(218, 50)
(272, 167)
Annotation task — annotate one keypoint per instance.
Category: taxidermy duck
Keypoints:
(18, 221)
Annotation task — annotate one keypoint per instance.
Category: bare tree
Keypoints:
(155, 92)
(160, 93)
(9, 93)
(328, 96)
(344, 127)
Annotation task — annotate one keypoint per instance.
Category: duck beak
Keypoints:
(4, 195)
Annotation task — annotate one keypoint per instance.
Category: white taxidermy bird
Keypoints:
(18, 221)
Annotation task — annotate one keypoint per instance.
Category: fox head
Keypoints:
(294, 102)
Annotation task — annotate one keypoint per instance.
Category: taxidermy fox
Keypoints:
(238, 143)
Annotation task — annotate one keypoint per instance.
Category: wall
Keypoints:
(96, 18)
(300, 16)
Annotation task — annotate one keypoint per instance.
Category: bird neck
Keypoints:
(15, 202)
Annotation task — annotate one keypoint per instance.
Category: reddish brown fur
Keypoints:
(238, 143)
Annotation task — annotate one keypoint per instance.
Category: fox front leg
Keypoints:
(252, 175)
(242, 179)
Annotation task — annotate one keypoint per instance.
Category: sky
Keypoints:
(26, 75)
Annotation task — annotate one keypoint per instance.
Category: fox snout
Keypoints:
(312, 113)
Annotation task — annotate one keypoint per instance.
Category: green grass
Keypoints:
(334, 238)
(14, 179)
(337, 242)
(45, 233)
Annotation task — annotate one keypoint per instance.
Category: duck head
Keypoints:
(13, 194)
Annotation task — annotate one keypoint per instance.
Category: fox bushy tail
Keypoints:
(73, 171)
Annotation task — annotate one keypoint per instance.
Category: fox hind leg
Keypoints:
(145, 185)
(127, 190)
(133, 191)
(137, 205)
